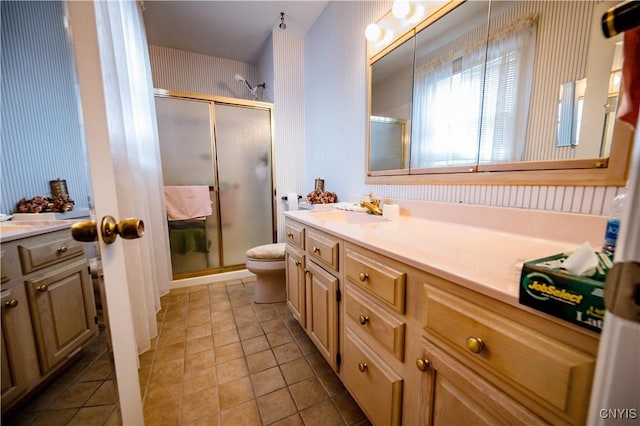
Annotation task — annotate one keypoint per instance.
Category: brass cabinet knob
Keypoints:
(297, 263)
(306, 271)
(423, 364)
(43, 288)
(316, 249)
(11, 303)
(363, 319)
(475, 344)
(289, 235)
(62, 249)
(362, 366)
(363, 276)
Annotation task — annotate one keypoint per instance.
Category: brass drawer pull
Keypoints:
(43, 288)
(62, 249)
(11, 303)
(362, 366)
(289, 234)
(363, 276)
(423, 364)
(475, 344)
(363, 319)
(316, 249)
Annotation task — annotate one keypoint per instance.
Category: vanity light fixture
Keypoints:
(373, 32)
(402, 9)
(282, 25)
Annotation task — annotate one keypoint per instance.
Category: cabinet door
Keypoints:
(63, 312)
(295, 270)
(322, 312)
(18, 348)
(454, 394)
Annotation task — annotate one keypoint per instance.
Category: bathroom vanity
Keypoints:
(48, 308)
(420, 319)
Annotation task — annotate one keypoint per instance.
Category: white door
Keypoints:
(97, 99)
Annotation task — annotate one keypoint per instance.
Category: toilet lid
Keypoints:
(267, 252)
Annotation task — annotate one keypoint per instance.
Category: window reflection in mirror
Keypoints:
(391, 101)
(449, 75)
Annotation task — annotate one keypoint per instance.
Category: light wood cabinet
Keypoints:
(18, 345)
(62, 312)
(322, 312)
(296, 285)
(48, 310)
(376, 386)
(453, 394)
(313, 286)
(418, 349)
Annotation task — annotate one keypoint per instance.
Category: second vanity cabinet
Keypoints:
(417, 349)
(313, 286)
(48, 309)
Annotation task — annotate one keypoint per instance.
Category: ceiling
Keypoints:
(227, 29)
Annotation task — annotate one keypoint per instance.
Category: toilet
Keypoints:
(268, 263)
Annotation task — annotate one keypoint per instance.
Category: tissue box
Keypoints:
(577, 299)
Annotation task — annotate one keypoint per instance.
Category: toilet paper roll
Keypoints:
(391, 211)
(292, 201)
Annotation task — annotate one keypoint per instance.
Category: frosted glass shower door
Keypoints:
(185, 133)
(243, 147)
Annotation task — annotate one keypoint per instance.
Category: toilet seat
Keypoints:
(267, 252)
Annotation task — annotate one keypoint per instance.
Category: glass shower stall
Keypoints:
(216, 158)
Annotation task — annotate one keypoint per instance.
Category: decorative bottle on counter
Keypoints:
(613, 223)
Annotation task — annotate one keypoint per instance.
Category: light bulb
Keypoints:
(401, 9)
(373, 32)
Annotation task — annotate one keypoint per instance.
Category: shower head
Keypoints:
(253, 90)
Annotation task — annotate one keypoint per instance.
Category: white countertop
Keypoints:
(483, 259)
(14, 230)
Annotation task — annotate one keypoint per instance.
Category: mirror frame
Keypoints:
(609, 171)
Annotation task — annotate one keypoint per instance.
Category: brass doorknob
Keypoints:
(363, 319)
(87, 231)
(423, 364)
(362, 366)
(363, 276)
(475, 344)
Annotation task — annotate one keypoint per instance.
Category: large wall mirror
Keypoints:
(500, 92)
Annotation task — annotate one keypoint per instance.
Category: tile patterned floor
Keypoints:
(219, 359)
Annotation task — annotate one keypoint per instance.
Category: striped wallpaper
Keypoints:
(41, 134)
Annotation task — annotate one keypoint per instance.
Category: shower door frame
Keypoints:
(222, 100)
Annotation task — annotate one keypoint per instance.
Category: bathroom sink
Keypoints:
(346, 217)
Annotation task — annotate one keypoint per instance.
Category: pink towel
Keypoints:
(187, 202)
(630, 101)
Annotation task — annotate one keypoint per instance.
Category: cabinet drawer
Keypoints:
(377, 275)
(554, 372)
(41, 254)
(376, 387)
(384, 327)
(322, 248)
(294, 233)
